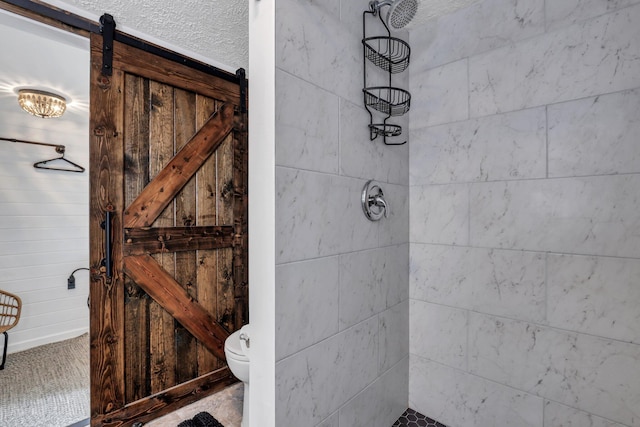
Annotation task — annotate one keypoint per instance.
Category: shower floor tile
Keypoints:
(411, 418)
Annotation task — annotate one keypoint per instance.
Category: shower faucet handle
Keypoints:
(374, 204)
(379, 201)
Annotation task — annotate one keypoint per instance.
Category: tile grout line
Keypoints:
(546, 140)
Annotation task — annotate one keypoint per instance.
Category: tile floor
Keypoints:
(411, 418)
(225, 406)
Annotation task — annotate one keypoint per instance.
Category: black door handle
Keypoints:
(107, 262)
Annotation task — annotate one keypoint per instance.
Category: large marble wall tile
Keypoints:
(483, 26)
(594, 295)
(319, 215)
(501, 147)
(557, 415)
(440, 214)
(394, 335)
(332, 6)
(307, 131)
(561, 14)
(582, 371)
(362, 410)
(372, 281)
(591, 58)
(440, 95)
(361, 286)
(314, 383)
(332, 421)
(459, 399)
(362, 158)
(382, 403)
(595, 136)
(592, 216)
(396, 274)
(394, 230)
(307, 296)
(438, 333)
(493, 281)
(313, 44)
(437, 274)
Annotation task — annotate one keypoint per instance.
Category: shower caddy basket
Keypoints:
(391, 54)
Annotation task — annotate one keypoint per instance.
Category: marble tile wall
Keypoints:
(591, 57)
(524, 215)
(579, 144)
(342, 281)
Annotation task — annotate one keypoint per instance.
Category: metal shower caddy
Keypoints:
(390, 54)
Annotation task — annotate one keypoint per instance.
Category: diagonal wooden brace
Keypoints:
(163, 288)
(167, 184)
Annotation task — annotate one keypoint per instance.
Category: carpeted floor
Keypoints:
(46, 385)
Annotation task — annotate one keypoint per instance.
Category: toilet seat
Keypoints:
(232, 346)
(238, 352)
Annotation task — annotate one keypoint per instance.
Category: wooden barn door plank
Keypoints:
(136, 177)
(241, 223)
(107, 294)
(186, 344)
(225, 202)
(161, 149)
(140, 241)
(136, 61)
(206, 213)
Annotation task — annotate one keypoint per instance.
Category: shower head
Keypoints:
(400, 12)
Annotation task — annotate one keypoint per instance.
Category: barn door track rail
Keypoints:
(107, 28)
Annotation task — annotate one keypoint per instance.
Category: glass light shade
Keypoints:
(42, 104)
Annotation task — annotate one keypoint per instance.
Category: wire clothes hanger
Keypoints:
(45, 164)
(68, 165)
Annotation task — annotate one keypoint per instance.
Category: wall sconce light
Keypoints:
(42, 104)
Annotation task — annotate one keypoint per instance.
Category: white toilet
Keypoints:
(236, 349)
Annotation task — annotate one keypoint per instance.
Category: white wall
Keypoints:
(525, 192)
(262, 211)
(44, 214)
(341, 281)
(43, 238)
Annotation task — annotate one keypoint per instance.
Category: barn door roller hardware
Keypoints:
(108, 30)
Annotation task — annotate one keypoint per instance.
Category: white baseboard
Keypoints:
(15, 347)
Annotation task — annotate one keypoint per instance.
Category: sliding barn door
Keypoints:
(168, 234)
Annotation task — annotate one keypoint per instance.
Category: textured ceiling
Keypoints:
(430, 9)
(215, 31)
